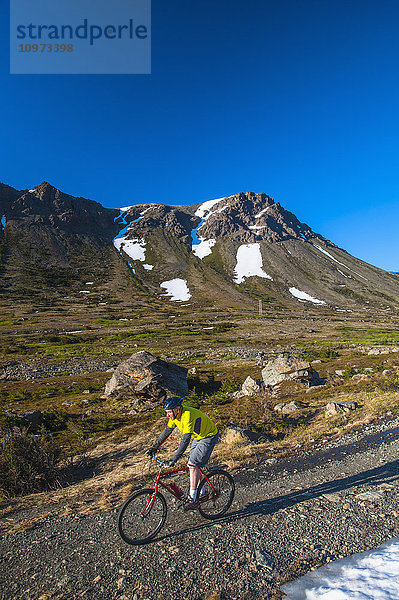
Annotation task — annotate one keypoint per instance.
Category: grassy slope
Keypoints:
(131, 321)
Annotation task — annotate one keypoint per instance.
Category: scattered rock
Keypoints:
(264, 559)
(144, 377)
(377, 351)
(332, 497)
(387, 372)
(337, 408)
(315, 387)
(252, 386)
(370, 496)
(251, 436)
(249, 388)
(290, 407)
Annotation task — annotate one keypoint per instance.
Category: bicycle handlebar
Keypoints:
(160, 462)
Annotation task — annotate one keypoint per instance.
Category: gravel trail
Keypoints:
(288, 516)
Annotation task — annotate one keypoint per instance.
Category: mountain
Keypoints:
(48, 239)
(230, 251)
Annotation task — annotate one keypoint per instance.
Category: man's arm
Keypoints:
(182, 447)
(164, 436)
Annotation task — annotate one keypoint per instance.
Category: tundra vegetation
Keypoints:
(86, 451)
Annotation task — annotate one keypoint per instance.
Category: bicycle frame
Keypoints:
(165, 475)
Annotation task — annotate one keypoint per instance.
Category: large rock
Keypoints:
(250, 387)
(144, 377)
(287, 409)
(285, 367)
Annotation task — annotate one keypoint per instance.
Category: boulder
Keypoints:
(290, 408)
(337, 408)
(144, 377)
(286, 409)
(252, 386)
(249, 388)
(285, 367)
(247, 434)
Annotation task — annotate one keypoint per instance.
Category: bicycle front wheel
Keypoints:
(218, 494)
(142, 516)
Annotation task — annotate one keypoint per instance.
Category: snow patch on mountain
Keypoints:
(134, 248)
(262, 212)
(203, 211)
(203, 248)
(335, 260)
(249, 263)
(304, 296)
(177, 289)
(200, 246)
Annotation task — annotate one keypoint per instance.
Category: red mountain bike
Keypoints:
(144, 513)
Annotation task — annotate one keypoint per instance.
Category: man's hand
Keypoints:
(170, 463)
(151, 451)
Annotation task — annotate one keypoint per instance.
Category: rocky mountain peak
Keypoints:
(249, 217)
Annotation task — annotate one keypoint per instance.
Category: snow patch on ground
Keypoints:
(249, 263)
(368, 575)
(177, 289)
(148, 267)
(304, 296)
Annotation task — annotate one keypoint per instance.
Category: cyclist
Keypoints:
(191, 422)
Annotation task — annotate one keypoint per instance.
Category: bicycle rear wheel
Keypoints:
(141, 516)
(220, 492)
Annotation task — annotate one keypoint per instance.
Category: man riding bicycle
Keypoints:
(191, 422)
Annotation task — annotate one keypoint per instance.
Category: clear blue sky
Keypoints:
(295, 98)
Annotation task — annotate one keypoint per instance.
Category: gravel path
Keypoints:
(288, 516)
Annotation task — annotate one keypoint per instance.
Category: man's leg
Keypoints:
(200, 453)
(195, 478)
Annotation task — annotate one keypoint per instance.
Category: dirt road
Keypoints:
(287, 517)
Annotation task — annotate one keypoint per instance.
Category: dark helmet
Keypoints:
(172, 402)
